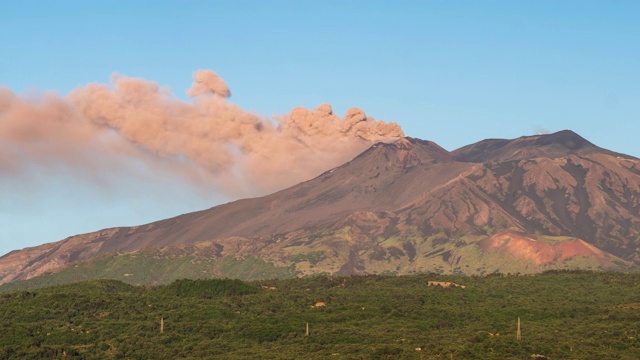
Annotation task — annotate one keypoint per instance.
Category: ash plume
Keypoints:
(134, 126)
(207, 81)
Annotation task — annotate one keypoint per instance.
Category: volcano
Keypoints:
(398, 208)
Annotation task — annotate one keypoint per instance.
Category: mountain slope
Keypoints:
(405, 207)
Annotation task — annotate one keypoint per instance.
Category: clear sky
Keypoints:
(453, 72)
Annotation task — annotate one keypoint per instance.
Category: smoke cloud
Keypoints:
(207, 81)
(134, 126)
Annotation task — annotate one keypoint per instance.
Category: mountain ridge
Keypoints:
(558, 144)
(388, 201)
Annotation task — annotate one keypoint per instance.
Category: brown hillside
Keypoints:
(385, 205)
(522, 247)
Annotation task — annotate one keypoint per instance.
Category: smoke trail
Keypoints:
(134, 125)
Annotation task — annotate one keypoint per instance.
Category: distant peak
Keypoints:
(565, 138)
(558, 144)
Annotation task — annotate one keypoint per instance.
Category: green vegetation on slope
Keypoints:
(564, 315)
(144, 269)
(342, 251)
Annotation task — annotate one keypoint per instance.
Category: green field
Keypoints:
(564, 315)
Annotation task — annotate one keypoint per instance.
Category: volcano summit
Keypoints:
(524, 205)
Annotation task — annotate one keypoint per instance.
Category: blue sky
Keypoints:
(453, 72)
